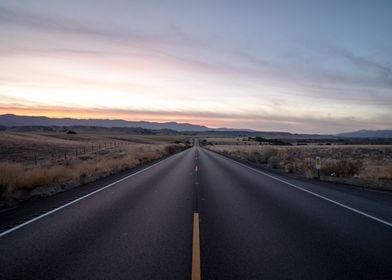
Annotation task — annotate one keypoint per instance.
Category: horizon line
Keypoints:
(174, 122)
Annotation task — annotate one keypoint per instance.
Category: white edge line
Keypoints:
(78, 199)
(313, 193)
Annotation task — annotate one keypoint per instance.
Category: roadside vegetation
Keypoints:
(366, 165)
(43, 164)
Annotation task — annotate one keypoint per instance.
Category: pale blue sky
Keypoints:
(300, 66)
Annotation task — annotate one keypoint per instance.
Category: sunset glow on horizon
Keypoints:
(318, 67)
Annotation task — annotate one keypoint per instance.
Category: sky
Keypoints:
(297, 66)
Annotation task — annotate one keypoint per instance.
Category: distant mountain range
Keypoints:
(11, 120)
(14, 120)
(386, 133)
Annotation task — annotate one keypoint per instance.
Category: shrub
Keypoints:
(273, 162)
(289, 168)
(171, 149)
(253, 156)
(266, 153)
(306, 167)
(341, 168)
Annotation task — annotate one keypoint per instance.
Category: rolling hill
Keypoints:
(386, 133)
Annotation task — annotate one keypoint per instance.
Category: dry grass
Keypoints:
(360, 161)
(26, 148)
(15, 177)
(230, 141)
(18, 172)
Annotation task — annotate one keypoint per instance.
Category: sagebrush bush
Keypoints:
(266, 153)
(253, 156)
(289, 168)
(307, 168)
(341, 168)
(274, 162)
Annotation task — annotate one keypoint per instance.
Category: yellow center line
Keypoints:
(196, 275)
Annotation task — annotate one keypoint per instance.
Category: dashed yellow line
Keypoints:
(196, 274)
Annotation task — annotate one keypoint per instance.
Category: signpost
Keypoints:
(318, 166)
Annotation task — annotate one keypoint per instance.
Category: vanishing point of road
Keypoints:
(197, 215)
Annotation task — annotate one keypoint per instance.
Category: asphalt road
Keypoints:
(253, 225)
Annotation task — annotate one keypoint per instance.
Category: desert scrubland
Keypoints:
(364, 165)
(45, 163)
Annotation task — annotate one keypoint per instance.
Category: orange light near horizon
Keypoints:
(106, 114)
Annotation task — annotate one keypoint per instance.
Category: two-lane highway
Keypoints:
(252, 226)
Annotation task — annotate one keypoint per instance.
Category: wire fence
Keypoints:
(57, 155)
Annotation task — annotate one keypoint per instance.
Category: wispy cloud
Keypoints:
(382, 73)
(170, 66)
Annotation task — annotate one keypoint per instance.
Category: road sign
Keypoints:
(318, 166)
(318, 163)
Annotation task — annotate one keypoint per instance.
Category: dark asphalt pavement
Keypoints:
(252, 226)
